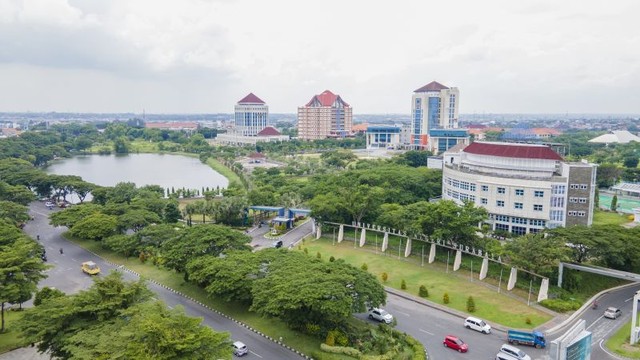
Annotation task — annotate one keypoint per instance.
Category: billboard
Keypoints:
(580, 348)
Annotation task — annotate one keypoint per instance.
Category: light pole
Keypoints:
(529, 299)
(500, 281)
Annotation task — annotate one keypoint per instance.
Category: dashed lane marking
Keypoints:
(255, 354)
(426, 332)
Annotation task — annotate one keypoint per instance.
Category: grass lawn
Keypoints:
(609, 218)
(490, 305)
(270, 326)
(619, 343)
(9, 339)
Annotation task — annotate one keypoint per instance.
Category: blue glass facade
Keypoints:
(433, 112)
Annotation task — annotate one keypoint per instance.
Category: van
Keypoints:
(514, 352)
(477, 325)
(503, 356)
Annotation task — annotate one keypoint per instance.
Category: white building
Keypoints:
(524, 187)
(433, 106)
(251, 115)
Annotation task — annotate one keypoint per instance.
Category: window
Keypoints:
(518, 220)
(518, 230)
(519, 192)
(573, 200)
(538, 193)
(583, 186)
(573, 186)
(571, 213)
(503, 227)
(504, 218)
(517, 206)
(557, 201)
(558, 189)
(537, 207)
(583, 200)
(536, 222)
(501, 190)
(483, 201)
(500, 203)
(556, 215)
(582, 213)
(485, 188)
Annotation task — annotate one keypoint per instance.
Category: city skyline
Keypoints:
(202, 56)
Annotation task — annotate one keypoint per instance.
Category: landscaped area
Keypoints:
(601, 217)
(619, 343)
(9, 339)
(490, 305)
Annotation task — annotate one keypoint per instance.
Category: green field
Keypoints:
(619, 343)
(601, 217)
(9, 339)
(490, 305)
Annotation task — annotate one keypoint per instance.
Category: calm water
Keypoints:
(142, 169)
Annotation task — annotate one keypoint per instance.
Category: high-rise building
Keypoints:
(433, 106)
(251, 115)
(324, 116)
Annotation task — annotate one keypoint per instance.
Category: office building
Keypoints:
(524, 187)
(251, 115)
(433, 106)
(325, 116)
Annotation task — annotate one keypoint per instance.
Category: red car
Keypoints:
(453, 342)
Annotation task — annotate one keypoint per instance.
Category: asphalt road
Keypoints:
(67, 276)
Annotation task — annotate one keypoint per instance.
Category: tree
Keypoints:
(45, 294)
(122, 244)
(13, 212)
(614, 202)
(415, 158)
(607, 175)
(631, 161)
(95, 227)
(20, 270)
(136, 220)
(71, 215)
(121, 145)
(550, 250)
(171, 212)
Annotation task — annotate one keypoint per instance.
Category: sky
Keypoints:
(203, 56)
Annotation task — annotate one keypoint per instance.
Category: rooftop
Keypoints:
(269, 131)
(511, 150)
(432, 86)
(327, 98)
(251, 99)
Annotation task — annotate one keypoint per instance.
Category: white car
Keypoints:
(49, 204)
(380, 315)
(239, 348)
(612, 313)
(477, 325)
(514, 352)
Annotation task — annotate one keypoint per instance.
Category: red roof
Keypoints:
(432, 86)
(269, 131)
(257, 155)
(251, 99)
(327, 98)
(522, 151)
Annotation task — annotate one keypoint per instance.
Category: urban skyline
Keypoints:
(201, 56)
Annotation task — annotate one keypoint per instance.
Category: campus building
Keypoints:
(383, 137)
(441, 140)
(524, 187)
(251, 115)
(325, 116)
(433, 106)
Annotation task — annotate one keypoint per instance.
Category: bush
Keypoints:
(364, 267)
(423, 291)
(318, 255)
(330, 340)
(385, 277)
(560, 305)
(403, 285)
(306, 251)
(312, 329)
(471, 304)
(527, 321)
(332, 259)
(349, 351)
(445, 298)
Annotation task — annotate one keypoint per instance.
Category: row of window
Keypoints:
(517, 220)
(461, 196)
(577, 213)
(578, 186)
(517, 230)
(578, 200)
(501, 190)
(558, 189)
(557, 202)
(516, 205)
(519, 192)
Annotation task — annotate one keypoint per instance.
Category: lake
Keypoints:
(142, 169)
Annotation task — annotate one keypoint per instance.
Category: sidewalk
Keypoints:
(27, 353)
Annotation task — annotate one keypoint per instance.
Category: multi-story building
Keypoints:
(251, 115)
(324, 116)
(433, 106)
(383, 136)
(524, 187)
(441, 140)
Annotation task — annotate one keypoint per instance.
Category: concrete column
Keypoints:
(634, 319)
(319, 232)
(341, 233)
(512, 279)
(385, 242)
(484, 268)
(363, 237)
(544, 290)
(407, 249)
(560, 269)
(457, 261)
(432, 253)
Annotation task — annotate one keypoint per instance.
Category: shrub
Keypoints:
(364, 267)
(560, 305)
(332, 259)
(142, 257)
(318, 255)
(471, 304)
(527, 321)
(330, 340)
(423, 291)
(385, 277)
(349, 351)
(445, 298)
(306, 251)
(403, 285)
(312, 329)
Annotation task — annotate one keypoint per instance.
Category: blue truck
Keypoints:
(531, 338)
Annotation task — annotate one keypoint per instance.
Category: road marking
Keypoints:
(255, 354)
(629, 299)
(403, 313)
(426, 332)
(593, 323)
(605, 350)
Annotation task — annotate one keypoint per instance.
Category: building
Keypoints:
(325, 116)
(433, 106)
(524, 187)
(616, 137)
(251, 115)
(383, 137)
(268, 134)
(187, 126)
(441, 140)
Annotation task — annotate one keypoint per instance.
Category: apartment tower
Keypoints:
(325, 116)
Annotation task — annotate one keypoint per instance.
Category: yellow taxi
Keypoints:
(91, 268)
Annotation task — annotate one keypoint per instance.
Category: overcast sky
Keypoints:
(202, 56)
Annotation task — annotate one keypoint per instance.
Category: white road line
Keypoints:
(593, 323)
(255, 354)
(605, 350)
(403, 313)
(426, 332)
(629, 299)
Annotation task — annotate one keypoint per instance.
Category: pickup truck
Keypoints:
(531, 338)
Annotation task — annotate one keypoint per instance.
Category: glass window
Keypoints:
(537, 207)
(517, 205)
(538, 193)
(483, 201)
(519, 192)
(503, 227)
(500, 203)
(485, 188)
(518, 230)
(501, 190)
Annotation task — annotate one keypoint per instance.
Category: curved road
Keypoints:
(67, 276)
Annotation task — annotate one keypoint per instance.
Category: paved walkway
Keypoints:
(28, 353)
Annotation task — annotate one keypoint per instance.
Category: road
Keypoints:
(67, 276)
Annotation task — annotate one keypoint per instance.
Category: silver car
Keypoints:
(612, 313)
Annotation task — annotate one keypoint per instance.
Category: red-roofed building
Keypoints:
(269, 131)
(251, 115)
(325, 115)
(433, 106)
(524, 187)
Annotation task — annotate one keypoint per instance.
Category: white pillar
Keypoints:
(512, 279)
(544, 289)
(457, 261)
(634, 319)
(319, 232)
(407, 250)
(341, 233)
(363, 237)
(385, 242)
(484, 268)
(432, 253)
